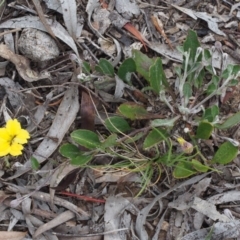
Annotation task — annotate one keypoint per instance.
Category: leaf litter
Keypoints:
(52, 102)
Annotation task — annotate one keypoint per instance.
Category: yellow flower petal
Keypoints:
(4, 135)
(181, 140)
(22, 137)
(4, 149)
(13, 127)
(16, 149)
(186, 146)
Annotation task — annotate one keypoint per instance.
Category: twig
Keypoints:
(90, 234)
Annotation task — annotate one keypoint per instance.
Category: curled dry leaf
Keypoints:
(159, 26)
(22, 64)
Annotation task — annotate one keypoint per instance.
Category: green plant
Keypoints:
(145, 150)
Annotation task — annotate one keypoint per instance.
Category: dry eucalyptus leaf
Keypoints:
(61, 218)
(22, 65)
(212, 22)
(208, 209)
(54, 5)
(115, 206)
(70, 15)
(220, 231)
(10, 86)
(127, 8)
(37, 45)
(34, 22)
(101, 19)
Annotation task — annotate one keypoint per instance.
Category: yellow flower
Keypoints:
(186, 146)
(12, 138)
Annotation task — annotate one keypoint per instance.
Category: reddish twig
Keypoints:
(85, 198)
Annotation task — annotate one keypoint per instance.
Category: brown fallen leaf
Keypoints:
(22, 65)
(4, 235)
(3, 196)
(103, 4)
(159, 26)
(87, 111)
(129, 27)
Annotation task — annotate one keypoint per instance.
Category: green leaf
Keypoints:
(157, 75)
(215, 80)
(81, 160)
(233, 82)
(132, 111)
(34, 163)
(228, 71)
(143, 63)
(127, 67)
(187, 90)
(154, 137)
(211, 113)
(105, 67)
(209, 235)
(86, 67)
(211, 88)
(225, 154)
(178, 71)
(204, 130)
(198, 81)
(199, 166)
(117, 124)
(109, 142)
(98, 69)
(86, 138)
(164, 122)
(191, 44)
(210, 69)
(183, 170)
(69, 150)
(233, 120)
(135, 138)
(207, 55)
(236, 70)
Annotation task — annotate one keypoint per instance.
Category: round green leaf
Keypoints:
(105, 67)
(109, 142)
(183, 170)
(154, 137)
(81, 160)
(127, 67)
(225, 154)
(211, 113)
(86, 67)
(117, 124)
(204, 130)
(35, 164)
(86, 138)
(69, 150)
